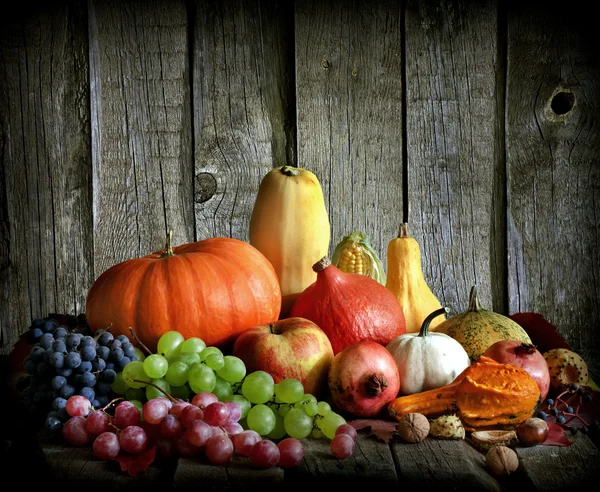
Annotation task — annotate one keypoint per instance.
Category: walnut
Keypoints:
(501, 460)
(413, 427)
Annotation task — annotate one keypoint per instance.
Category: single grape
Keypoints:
(126, 414)
(78, 406)
(258, 388)
(170, 426)
(98, 422)
(203, 399)
(235, 411)
(291, 452)
(178, 407)
(219, 449)
(346, 429)
(261, 419)
(323, 408)
(278, 431)
(53, 424)
(193, 344)
(189, 414)
(154, 411)
(75, 431)
(185, 448)
(222, 389)
(201, 378)
(106, 446)
(181, 392)
(297, 423)
(342, 446)
(232, 428)
(216, 413)
(177, 373)
(329, 423)
(264, 454)
(188, 358)
(233, 370)
(215, 361)
(198, 432)
(155, 366)
(289, 390)
(133, 439)
(169, 343)
(244, 441)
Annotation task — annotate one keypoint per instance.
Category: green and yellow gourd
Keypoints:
(477, 328)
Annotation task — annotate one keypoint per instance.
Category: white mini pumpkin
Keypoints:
(427, 360)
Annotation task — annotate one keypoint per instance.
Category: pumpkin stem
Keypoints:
(403, 230)
(425, 326)
(376, 384)
(168, 248)
(322, 264)
(474, 300)
(290, 171)
(135, 337)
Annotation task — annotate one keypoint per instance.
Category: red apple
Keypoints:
(288, 348)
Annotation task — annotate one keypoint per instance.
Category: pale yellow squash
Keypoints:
(405, 279)
(290, 226)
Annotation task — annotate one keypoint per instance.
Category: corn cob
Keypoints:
(353, 254)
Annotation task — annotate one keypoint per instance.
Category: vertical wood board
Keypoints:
(141, 128)
(241, 100)
(349, 113)
(46, 223)
(453, 149)
(553, 137)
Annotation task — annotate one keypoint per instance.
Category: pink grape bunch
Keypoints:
(202, 426)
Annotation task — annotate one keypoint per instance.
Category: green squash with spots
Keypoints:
(477, 328)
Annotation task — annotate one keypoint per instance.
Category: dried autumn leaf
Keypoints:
(136, 463)
(381, 429)
(556, 436)
(543, 334)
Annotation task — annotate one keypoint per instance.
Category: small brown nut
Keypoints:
(532, 431)
(413, 427)
(501, 461)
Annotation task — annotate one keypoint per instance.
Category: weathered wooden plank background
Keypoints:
(476, 122)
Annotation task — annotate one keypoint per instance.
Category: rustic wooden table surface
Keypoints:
(430, 465)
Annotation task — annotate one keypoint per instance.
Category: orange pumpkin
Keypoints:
(213, 289)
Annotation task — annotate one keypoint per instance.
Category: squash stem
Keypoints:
(290, 171)
(403, 230)
(322, 264)
(168, 248)
(474, 300)
(425, 326)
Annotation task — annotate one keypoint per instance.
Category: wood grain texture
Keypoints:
(242, 81)
(455, 177)
(45, 213)
(141, 128)
(566, 468)
(437, 464)
(349, 113)
(553, 137)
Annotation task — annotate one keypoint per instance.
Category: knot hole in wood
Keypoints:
(206, 187)
(562, 102)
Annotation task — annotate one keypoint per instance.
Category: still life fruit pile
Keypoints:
(222, 347)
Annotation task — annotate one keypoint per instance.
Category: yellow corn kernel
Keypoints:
(352, 260)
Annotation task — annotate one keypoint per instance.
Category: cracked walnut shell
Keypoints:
(413, 427)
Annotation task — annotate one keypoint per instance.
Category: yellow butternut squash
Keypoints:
(406, 281)
(290, 226)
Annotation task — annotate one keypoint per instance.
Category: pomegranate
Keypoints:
(524, 355)
(363, 379)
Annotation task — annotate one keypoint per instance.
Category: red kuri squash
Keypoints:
(213, 289)
(350, 307)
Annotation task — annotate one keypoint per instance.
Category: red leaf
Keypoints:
(381, 429)
(543, 334)
(136, 463)
(556, 436)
